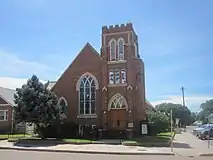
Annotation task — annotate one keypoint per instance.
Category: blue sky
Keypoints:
(175, 38)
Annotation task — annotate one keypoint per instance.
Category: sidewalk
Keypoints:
(184, 144)
(91, 148)
(188, 144)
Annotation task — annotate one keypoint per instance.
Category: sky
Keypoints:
(42, 37)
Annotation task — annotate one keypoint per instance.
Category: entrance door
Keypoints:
(118, 119)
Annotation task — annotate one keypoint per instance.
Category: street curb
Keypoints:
(206, 154)
(90, 152)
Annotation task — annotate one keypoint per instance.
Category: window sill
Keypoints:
(117, 109)
(3, 120)
(87, 116)
(117, 85)
(116, 62)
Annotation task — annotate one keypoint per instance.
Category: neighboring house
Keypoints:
(106, 90)
(6, 104)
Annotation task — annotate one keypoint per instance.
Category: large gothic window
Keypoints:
(87, 95)
(120, 49)
(117, 102)
(112, 50)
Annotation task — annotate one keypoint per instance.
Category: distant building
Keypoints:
(6, 104)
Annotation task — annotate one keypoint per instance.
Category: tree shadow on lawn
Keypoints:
(152, 139)
(38, 143)
(181, 145)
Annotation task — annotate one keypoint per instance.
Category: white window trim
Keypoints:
(82, 76)
(92, 115)
(110, 46)
(62, 98)
(121, 39)
(87, 116)
(5, 105)
(114, 97)
(117, 62)
(117, 85)
(5, 115)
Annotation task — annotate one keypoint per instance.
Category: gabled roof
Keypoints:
(51, 84)
(7, 95)
(150, 106)
(87, 45)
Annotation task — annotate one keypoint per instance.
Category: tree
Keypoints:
(158, 121)
(193, 117)
(178, 111)
(206, 110)
(36, 104)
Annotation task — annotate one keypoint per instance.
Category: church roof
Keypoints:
(51, 84)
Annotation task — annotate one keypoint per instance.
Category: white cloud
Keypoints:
(12, 65)
(13, 83)
(192, 102)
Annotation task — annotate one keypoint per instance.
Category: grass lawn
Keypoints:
(159, 139)
(77, 140)
(6, 136)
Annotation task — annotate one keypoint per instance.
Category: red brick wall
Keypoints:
(86, 61)
(89, 61)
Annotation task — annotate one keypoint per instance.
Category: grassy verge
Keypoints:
(37, 140)
(77, 141)
(160, 140)
(16, 136)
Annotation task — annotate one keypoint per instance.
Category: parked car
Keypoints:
(195, 130)
(206, 134)
(206, 128)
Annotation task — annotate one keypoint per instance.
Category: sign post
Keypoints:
(177, 120)
(171, 131)
(210, 120)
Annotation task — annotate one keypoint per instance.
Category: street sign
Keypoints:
(177, 120)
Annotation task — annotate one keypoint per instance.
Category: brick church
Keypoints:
(106, 90)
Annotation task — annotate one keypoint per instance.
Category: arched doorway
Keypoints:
(117, 112)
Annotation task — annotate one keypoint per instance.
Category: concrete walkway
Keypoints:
(90, 148)
(184, 144)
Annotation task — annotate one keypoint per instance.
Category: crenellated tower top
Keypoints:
(117, 28)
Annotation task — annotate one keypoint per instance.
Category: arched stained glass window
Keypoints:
(87, 96)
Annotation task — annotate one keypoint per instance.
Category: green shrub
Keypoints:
(66, 129)
(158, 122)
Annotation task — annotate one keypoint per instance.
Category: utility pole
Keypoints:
(171, 121)
(182, 89)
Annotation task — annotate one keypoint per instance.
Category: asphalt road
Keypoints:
(31, 155)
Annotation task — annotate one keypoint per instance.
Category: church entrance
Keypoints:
(118, 119)
(117, 112)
